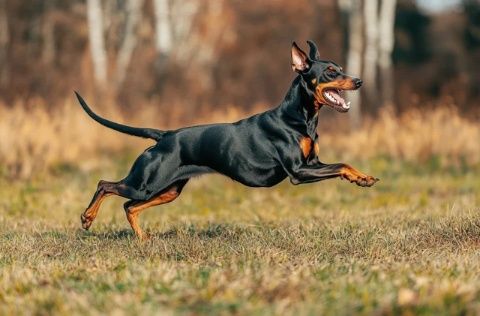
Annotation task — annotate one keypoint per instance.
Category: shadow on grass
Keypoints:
(209, 232)
(114, 235)
(127, 234)
(55, 234)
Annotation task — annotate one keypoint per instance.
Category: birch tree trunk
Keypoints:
(354, 57)
(4, 41)
(163, 27)
(189, 44)
(370, 16)
(97, 41)
(386, 43)
(134, 13)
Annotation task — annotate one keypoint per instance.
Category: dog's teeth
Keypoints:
(348, 103)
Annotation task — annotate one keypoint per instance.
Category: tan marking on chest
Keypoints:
(316, 148)
(306, 146)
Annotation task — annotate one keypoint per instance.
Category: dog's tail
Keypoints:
(134, 131)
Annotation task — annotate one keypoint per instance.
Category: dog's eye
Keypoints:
(331, 70)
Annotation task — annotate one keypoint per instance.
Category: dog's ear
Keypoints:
(300, 60)
(313, 54)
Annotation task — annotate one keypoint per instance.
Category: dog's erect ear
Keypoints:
(313, 54)
(300, 60)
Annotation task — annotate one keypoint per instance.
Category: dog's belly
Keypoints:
(257, 177)
(263, 181)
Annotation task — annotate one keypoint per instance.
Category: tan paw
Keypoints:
(86, 221)
(366, 181)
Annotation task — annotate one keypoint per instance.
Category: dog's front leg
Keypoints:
(319, 171)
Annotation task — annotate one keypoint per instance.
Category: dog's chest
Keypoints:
(308, 147)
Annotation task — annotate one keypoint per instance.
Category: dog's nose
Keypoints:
(358, 82)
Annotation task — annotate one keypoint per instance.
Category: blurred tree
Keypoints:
(371, 33)
(97, 42)
(134, 14)
(370, 16)
(218, 52)
(472, 30)
(4, 42)
(353, 10)
(48, 35)
(386, 28)
(163, 30)
(412, 39)
(379, 39)
(173, 29)
(471, 9)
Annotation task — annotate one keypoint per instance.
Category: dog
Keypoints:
(259, 151)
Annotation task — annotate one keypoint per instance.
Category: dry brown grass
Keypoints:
(407, 246)
(34, 139)
(415, 136)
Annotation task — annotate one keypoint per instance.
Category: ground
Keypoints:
(410, 244)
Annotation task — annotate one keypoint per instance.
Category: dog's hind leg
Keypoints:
(104, 189)
(134, 207)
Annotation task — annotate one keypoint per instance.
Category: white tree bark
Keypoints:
(386, 44)
(354, 57)
(163, 27)
(97, 41)
(370, 16)
(183, 15)
(134, 14)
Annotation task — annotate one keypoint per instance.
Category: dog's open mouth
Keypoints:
(335, 100)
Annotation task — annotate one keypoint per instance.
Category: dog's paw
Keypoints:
(366, 181)
(360, 179)
(86, 221)
(143, 237)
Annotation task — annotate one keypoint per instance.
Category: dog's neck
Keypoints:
(299, 109)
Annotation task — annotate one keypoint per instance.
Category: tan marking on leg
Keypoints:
(316, 148)
(104, 189)
(134, 209)
(91, 213)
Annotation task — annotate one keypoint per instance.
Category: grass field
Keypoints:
(409, 244)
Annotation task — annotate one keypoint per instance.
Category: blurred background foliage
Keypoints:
(166, 64)
(212, 53)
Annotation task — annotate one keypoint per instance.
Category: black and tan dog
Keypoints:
(259, 151)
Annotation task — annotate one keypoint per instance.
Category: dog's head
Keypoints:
(324, 80)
